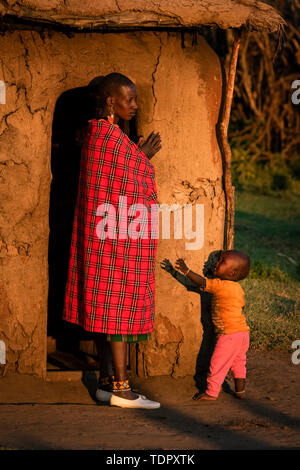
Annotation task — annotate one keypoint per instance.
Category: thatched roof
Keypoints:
(142, 14)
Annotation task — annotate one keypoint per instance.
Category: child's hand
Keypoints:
(166, 265)
(181, 266)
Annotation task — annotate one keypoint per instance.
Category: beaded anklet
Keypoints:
(121, 386)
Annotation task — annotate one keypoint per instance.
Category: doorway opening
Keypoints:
(69, 346)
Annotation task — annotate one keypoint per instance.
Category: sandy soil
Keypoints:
(54, 415)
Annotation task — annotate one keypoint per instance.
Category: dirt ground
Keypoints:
(61, 413)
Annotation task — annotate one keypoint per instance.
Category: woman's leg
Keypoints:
(119, 357)
(104, 356)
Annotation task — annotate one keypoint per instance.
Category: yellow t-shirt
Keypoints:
(227, 306)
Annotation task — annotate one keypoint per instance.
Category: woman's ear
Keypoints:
(110, 100)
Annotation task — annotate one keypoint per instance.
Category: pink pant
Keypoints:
(230, 353)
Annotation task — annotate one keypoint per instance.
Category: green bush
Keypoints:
(258, 176)
(294, 166)
(262, 271)
(281, 181)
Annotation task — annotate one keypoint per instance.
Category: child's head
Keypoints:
(232, 265)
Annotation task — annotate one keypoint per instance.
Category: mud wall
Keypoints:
(179, 91)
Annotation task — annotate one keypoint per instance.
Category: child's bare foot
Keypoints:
(203, 397)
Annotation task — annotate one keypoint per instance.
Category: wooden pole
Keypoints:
(229, 189)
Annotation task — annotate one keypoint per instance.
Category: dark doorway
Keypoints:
(69, 346)
(69, 121)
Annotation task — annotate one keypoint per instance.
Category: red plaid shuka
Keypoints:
(110, 286)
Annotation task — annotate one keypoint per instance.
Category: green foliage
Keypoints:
(281, 181)
(271, 177)
(294, 165)
(260, 270)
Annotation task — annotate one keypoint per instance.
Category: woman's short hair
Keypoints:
(103, 87)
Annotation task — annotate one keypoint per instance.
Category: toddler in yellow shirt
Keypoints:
(229, 322)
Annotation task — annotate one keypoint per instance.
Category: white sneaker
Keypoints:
(102, 395)
(140, 402)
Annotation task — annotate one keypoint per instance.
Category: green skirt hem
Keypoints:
(128, 338)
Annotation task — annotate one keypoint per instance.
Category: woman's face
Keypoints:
(125, 102)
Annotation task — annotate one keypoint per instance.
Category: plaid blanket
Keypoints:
(110, 286)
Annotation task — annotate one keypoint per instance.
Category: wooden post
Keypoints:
(229, 190)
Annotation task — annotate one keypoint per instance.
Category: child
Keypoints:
(229, 322)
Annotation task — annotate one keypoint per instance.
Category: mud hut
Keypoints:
(50, 51)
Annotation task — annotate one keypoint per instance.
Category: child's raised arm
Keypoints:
(184, 280)
(196, 278)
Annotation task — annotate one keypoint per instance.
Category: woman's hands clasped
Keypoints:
(151, 145)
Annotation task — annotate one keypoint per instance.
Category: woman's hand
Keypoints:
(151, 145)
(181, 266)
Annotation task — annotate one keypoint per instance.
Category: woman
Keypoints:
(110, 289)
